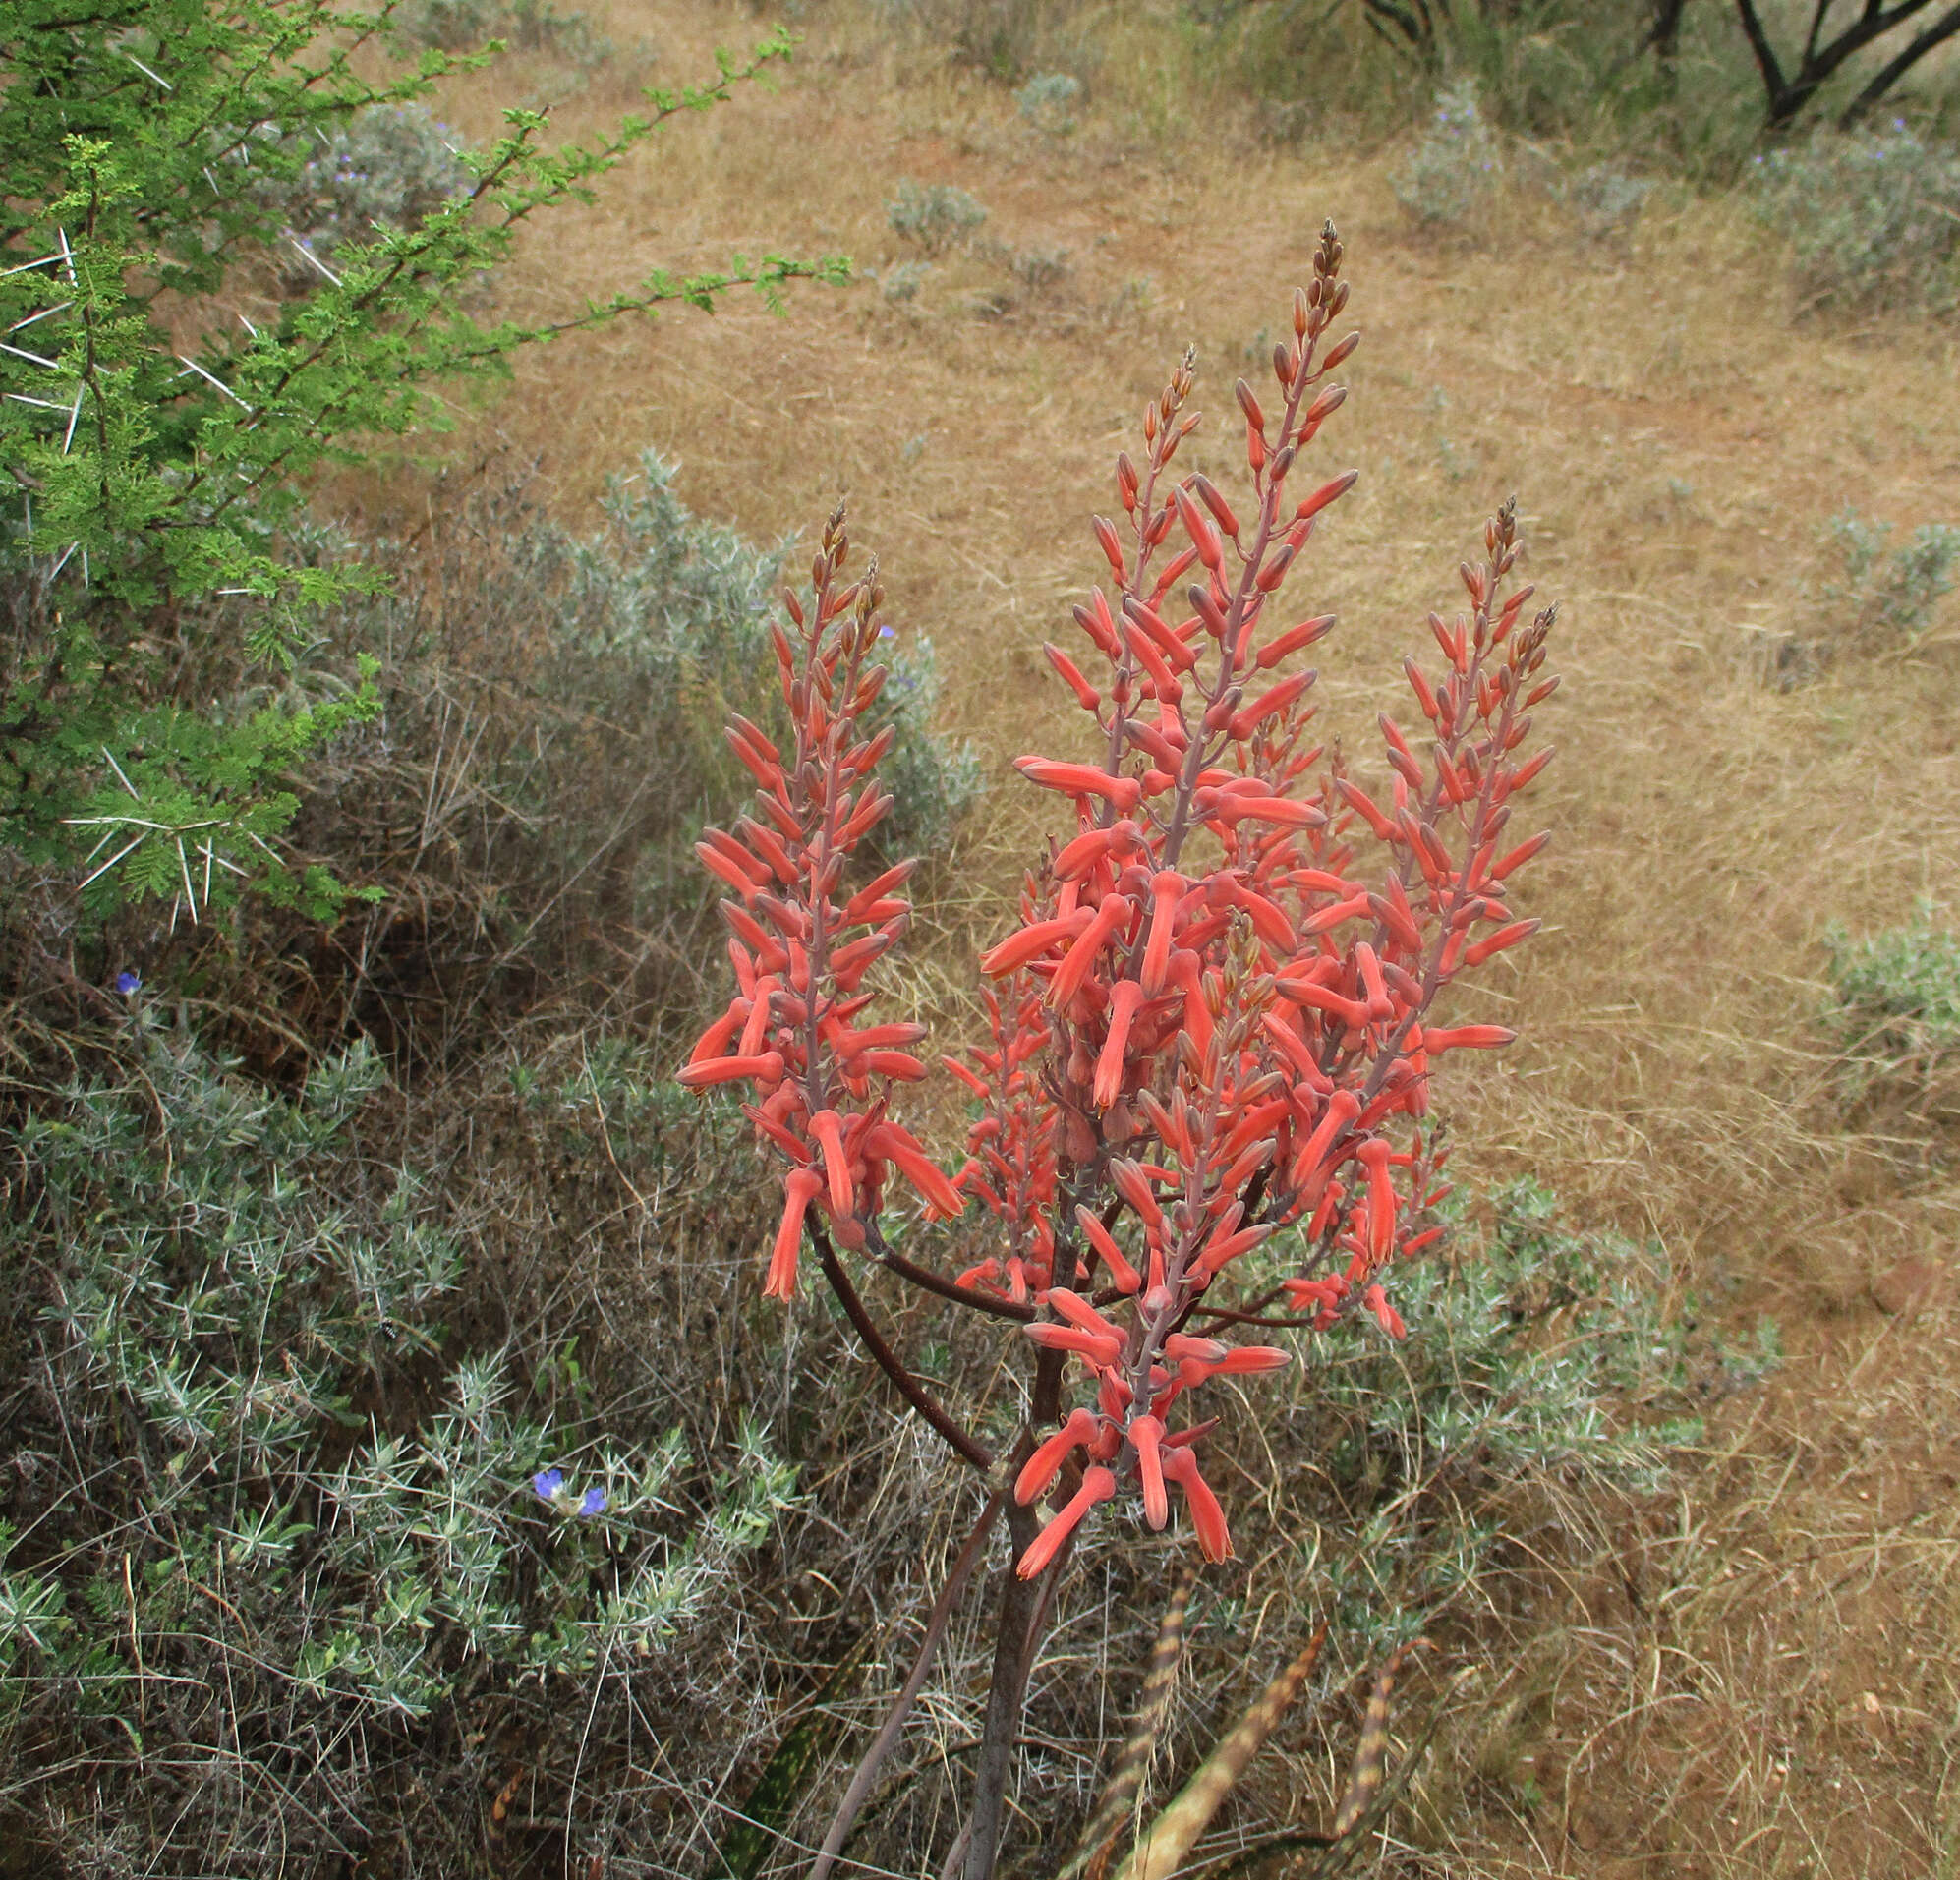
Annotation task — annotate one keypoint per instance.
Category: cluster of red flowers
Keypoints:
(1212, 1021)
(802, 943)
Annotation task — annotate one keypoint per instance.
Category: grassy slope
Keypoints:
(1758, 1684)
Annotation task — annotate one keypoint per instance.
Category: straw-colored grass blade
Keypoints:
(1160, 1848)
(1097, 1842)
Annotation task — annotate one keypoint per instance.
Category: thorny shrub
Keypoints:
(1215, 1023)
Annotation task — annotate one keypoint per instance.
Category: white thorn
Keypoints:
(110, 863)
(118, 769)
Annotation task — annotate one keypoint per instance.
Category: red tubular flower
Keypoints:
(1081, 779)
(1390, 1320)
(800, 1187)
(1381, 1199)
(1438, 1037)
(898, 1147)
(1098, 1485)
(765, 1069)
(1124, 1003)
(1110, 919)
(1146, 1434)
(1214, 1537)
(1102, 1349)
(827, 1128)
(1077, 1432)
(1031, 943)
(1125, 1277)
(1215, 1005)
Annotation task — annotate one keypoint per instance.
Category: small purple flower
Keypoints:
(593, 1501)
(887, 633)
(548, 1483)
(127, 983)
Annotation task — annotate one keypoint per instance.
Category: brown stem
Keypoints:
(1013, 1653)
(908, 1387)
(866, 1773)
(928, 1281)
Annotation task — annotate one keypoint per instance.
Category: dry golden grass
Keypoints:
(1758, 1684)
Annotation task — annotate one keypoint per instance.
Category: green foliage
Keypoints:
(1034, 270)
(1540, 1359)
(531, 26)
(934, 217)
(1895, 999)
(1872, 218)
(661, 623)
(150, 149)
(1606, 201)
(1889, 591)
(390, 164)
(281, 1479)
(1048, 101)
(1452, 171)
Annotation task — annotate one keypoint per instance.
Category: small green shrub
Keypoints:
(1035, 271)
(902, 280)
(934, 217)
(271, 1475)
(1889, 591)
(529, 26)
(661, 624)
(390, 166)
(1452, 170)
(1895, 1000)
(1872, 218)
(1048, 101)
(594, 670)
(1606, 201)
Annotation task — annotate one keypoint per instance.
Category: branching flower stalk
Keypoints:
(1215, 1019)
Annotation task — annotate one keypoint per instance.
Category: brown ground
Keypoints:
(1763, 1685)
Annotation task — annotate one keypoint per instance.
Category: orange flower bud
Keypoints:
(1086, 695)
